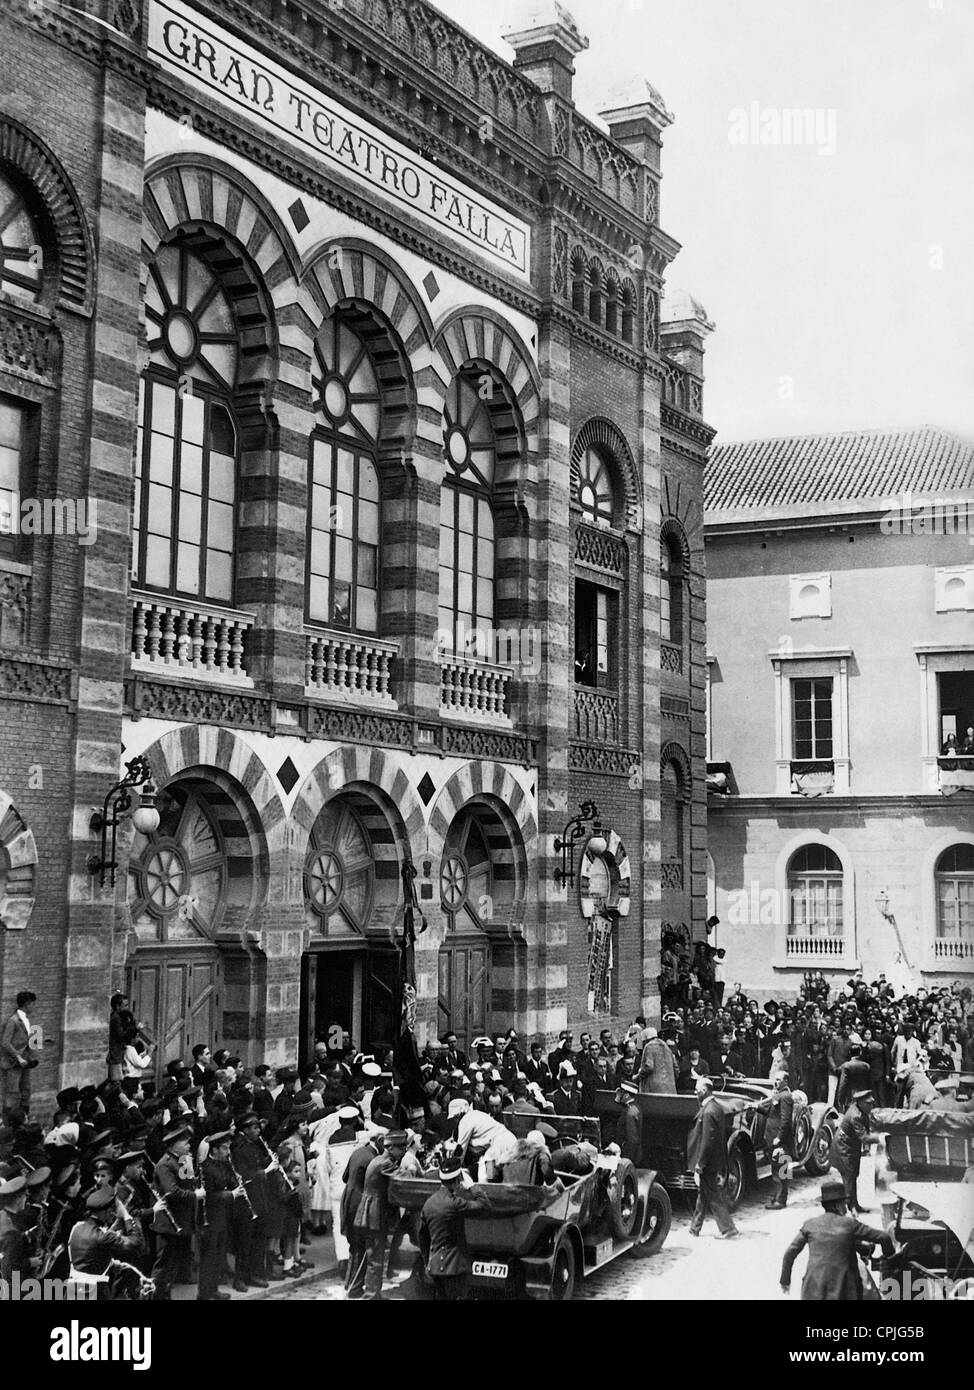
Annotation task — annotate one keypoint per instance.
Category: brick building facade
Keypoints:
(350, 336)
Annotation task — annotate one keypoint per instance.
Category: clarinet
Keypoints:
(51, 1248)
(276, 1162)
(162, 1200)
(242, 1189)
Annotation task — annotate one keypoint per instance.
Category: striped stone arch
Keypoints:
(480, 338)
(382, 308)
(675, 753)
(206, 201)
(354, 765)
(602, 434)
(31, 160)
(618, 858)
(489, 783)
(18, 864)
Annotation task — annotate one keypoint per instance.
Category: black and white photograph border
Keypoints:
(487, 741)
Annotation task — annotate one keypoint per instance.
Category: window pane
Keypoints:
(11, 422)
(345, 472)
(160, 510)
(485, 600)
(192, 427)
(465, 592)
(191, 468)
(221, 477)
(218, 576)
(368, 484)
(446, 588)
(321, 518)
(188, 569)
(189, 517)
(367, 614)
(466, 512)
(319, 604)
(446, 545)
(223, 438)
(9, 468)
(341, 603)
(368, 566)
(160, 459)
(320, 552)
(343, 558)
(344, 513)
(219, 526)
(157, 556)
(163, 408)
(368, 522)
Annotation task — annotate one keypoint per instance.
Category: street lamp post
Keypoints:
(118, 803)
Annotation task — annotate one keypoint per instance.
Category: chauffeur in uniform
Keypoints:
(376, 1218)
(441, 1231)
(847, 1146)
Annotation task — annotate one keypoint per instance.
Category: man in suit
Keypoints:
(562, 1053)
(202, 1068)
(354, 1182)
(441, 1232)
(725, 1060)
(832, 1274)
(455, 1058)
(565, 1097)
(536, 1068)
(854, 1075)
(17, 1061)
(707, 1157)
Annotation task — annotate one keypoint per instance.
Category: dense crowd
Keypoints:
(221, 1173)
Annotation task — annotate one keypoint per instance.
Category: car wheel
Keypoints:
(804, 1138)
(563, 1272)
(624, 1200)
(736, 1179)
(819, 1161)
(659, 1218)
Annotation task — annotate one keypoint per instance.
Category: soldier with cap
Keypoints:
(14, 1250)
(441, 1233)
(94, 1246)
(135, 1194)
(850, 1135)
(249, 1157)
(219, 1184)
(376, 1216)
(175, 1181)
(832, 1274)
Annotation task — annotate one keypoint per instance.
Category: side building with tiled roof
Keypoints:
(840, 608)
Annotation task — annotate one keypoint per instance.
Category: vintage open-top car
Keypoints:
(933, 1224)
(536, 1242)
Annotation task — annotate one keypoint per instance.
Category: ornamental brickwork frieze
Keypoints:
(34, 680)
(199, 704)
(14, 608)
(600, 550)
(487, 743)
(359, 726)
(28, 346)
(610, 762)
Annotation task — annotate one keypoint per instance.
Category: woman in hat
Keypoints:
(292, 1137)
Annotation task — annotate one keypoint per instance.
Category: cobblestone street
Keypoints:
(702, 1270)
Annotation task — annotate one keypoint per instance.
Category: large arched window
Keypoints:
(466, 877)
(466, 607)
(815, 892)
(594, 493)
(339, 872)
(954, 878)
(670, 590)
(343, 521)
(186, 458)
(21, 256)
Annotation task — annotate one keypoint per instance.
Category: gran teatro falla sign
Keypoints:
(238, 76)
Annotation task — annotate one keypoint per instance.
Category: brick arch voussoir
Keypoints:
(463, 788)
(23, 151)
(602, 434)
(20, 850)
(356, 763)
(479, 335)
(673, 752)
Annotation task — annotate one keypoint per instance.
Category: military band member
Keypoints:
(217, 1177)
(249, 1157)
(135, 1194)
(175, 1181)
(94, 1244)
(14, 1251)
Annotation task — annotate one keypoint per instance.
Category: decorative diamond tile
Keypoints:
(426, 788)
(431, 286)
(299, 215)
(287, 774)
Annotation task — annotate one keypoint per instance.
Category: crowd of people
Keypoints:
(221, 1173)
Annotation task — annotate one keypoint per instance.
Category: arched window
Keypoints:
(670, 590)
(628, 311)
(954, 878)
(21, 256)
(611, 306)
(466, 608)
(672, 809)
(466, 876)
(579, 267)
(594, 493)
(187, 453)
(339, 871)
(815, 892)
(595, 293)
(343, 521)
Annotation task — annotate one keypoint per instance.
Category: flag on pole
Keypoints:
(406, 1070)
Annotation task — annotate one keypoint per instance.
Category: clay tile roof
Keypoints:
(834, 472)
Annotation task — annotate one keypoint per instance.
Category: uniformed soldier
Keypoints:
(848, 1144)
(249, 1157)
(175, 1181)
(441, 1234)
(376, 1217)
(832, 1274)
(13, 1240)
(94, 1246)
(135, 1194)
(219, 1182)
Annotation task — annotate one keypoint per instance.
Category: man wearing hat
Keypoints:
(656, 1073)
(832, 1274)
(175, 1180)
(564, 1097)
(629, 1126)
(249, 1157)
(353, 1180)
(376, 1217)
(854, 1074)
(17, 1060)
(850, 1136)
(13, 1239)
(441, 1231)
(93, 1246)
(219, 1183)
(135, 1195)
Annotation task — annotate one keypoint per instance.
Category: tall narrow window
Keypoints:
(955, 895)
(815, 891)
(21, 255)
(670, 591)
(672, 799)
(466, 608)
(11, 457)
(343, 523)
(595, 626)
(812, 719)
(187, 453)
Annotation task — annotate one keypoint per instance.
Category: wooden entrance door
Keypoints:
(177, 995)
(464, 990)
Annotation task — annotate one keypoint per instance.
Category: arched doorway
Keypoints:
(352, 899)
(178, 887)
